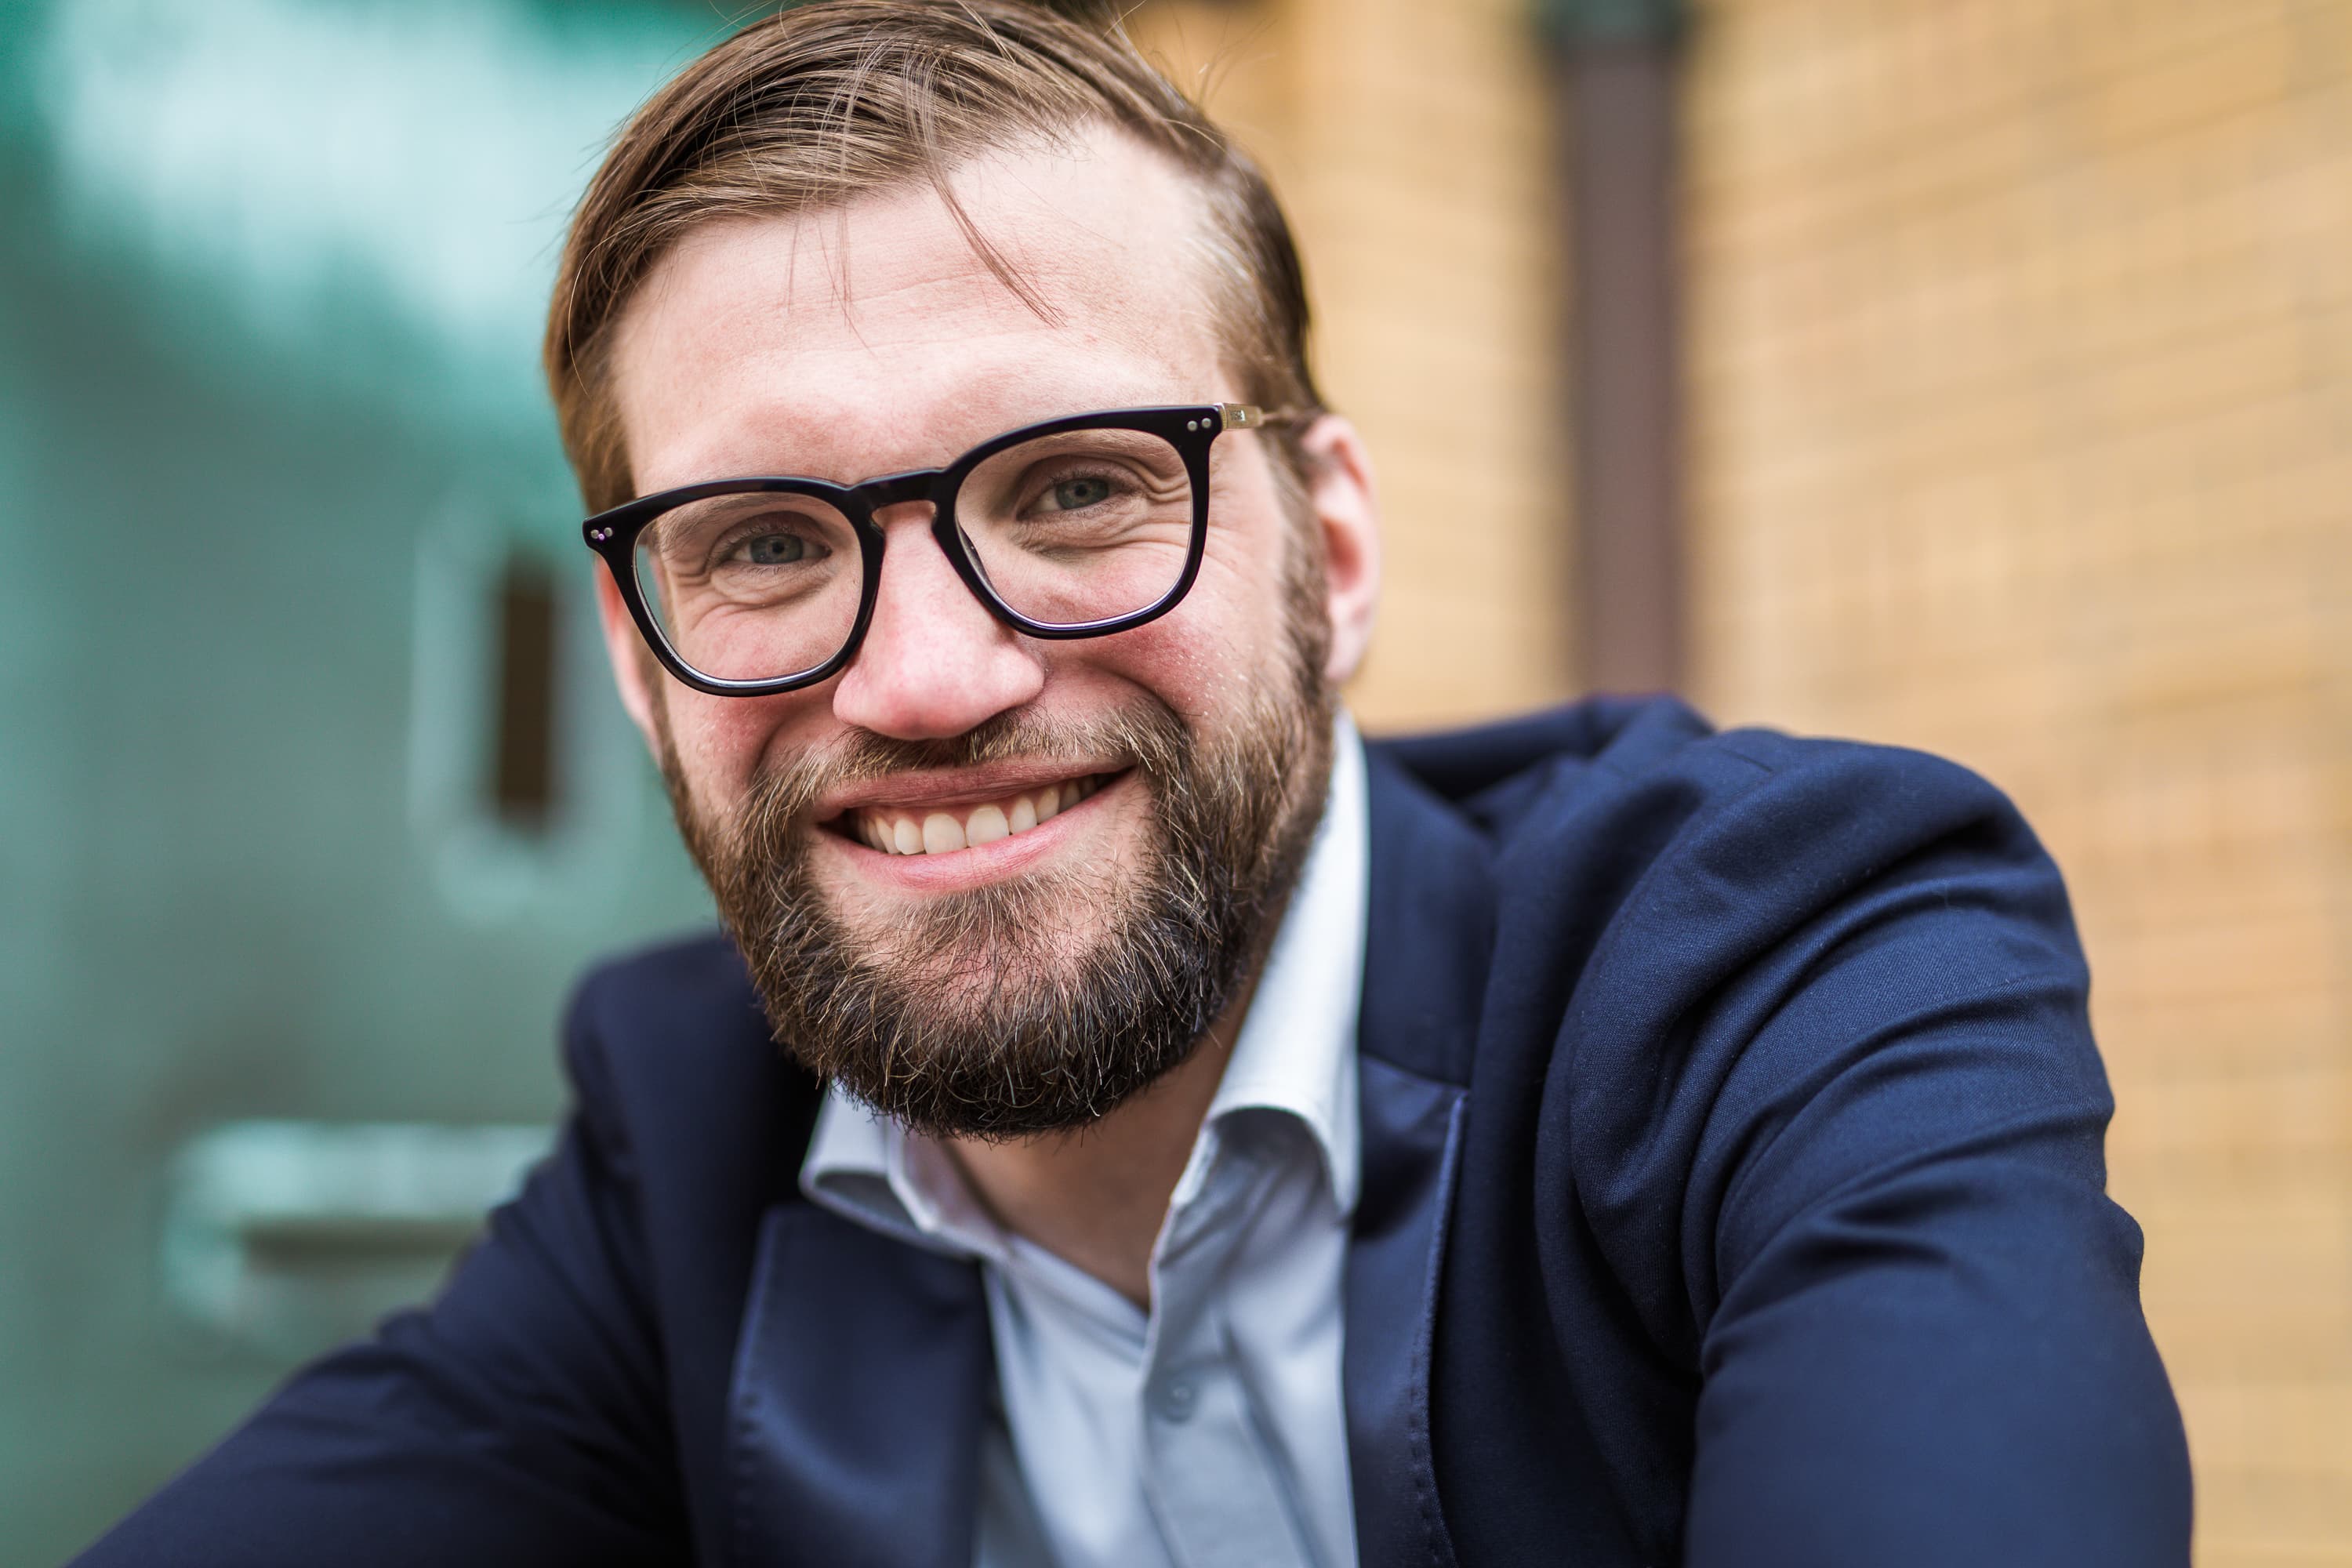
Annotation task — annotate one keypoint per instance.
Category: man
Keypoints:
(1196, 1137)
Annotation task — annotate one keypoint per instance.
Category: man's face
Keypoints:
(1032, 980)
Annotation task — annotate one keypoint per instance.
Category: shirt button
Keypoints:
(1178, 1396)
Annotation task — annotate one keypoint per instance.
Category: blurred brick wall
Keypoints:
(2022, 384)
(1410, 143)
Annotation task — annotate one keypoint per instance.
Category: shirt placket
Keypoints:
(1207, 1472)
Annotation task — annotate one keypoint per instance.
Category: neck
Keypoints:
(1096, 1197)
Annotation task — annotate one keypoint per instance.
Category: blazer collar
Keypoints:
(1426, 965)
(1432, 929)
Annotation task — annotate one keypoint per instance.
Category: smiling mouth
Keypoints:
(943, 829)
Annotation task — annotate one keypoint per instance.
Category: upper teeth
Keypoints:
(901, 830)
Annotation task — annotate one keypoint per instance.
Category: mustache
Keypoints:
(1149, 736)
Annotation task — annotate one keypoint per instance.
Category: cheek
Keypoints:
(1239, 608)
(723, 743)
(1208, 655)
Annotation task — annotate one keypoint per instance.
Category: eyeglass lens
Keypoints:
(1083, 526)
(752, 587)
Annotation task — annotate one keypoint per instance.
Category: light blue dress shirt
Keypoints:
(1208, 1433)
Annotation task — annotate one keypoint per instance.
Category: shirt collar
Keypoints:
(1295, 1054)
(1296, 1051)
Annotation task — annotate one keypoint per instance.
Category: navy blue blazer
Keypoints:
(1732, 1194)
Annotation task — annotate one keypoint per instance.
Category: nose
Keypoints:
(934, 663)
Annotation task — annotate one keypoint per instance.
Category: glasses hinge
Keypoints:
(1241, 415)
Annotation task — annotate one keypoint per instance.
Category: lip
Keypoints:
(974, 865)
(963, 787)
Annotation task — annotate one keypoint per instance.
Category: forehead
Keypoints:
(856, 340)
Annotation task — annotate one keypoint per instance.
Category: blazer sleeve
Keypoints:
(1913, 1310)
(518, 1420)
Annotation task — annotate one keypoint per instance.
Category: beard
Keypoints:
(1040, 1003)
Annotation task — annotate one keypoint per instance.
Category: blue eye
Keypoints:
(1074, 494)
(777, 550)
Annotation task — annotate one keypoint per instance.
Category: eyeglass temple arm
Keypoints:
(1250, 416)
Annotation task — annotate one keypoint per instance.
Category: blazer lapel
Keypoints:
(1425, 958)
(860, 1382)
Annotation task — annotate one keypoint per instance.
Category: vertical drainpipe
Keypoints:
(1614, 63)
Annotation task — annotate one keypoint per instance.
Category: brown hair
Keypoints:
(825, 102)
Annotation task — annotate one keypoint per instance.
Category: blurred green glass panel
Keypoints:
(272, 446)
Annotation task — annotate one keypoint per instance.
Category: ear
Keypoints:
(1346, 510)
(632, 671)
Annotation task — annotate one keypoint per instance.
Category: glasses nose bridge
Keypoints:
(896, 489)
(922, 486)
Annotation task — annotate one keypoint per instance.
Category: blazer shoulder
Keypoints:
(673, 1064)
(1762, 803)
(1812, 821)
(1831, 761)
(1650, 768)
(1671, 747)
(1749, 851)
(1760, 923)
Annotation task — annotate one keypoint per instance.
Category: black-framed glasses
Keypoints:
(1076, 527)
